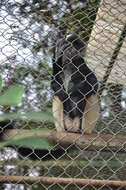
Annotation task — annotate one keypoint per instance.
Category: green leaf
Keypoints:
(12, 96)
(28, 139)
(0, 83)
(31, 142)
(32, 116)
(39, 116)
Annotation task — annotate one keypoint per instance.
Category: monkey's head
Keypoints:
(69, 54)
(69, 47)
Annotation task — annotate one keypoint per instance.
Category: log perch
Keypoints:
(106, 142)
(62, 181)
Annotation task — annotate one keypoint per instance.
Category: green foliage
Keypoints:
(29, 116)
(31, 142)
(28, 139)
(12, 96)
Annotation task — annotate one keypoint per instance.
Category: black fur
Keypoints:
(73, 82)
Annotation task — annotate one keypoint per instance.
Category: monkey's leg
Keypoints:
(91, 114)
(58, 114)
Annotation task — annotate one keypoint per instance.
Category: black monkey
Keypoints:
(75, 102)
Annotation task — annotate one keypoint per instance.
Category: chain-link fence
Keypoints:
(62, 94)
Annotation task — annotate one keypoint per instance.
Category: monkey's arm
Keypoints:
(57, 105)
(59, 97)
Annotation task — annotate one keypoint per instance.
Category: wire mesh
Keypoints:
(61, 94)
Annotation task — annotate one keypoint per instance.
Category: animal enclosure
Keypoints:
(37, 149)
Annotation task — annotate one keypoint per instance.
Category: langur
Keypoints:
(75, 86)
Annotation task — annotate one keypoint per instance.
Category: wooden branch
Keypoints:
(61, 181)
(61, 163)
(87, 142)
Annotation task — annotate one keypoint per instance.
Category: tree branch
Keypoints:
(106, 142)
(61, 181)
